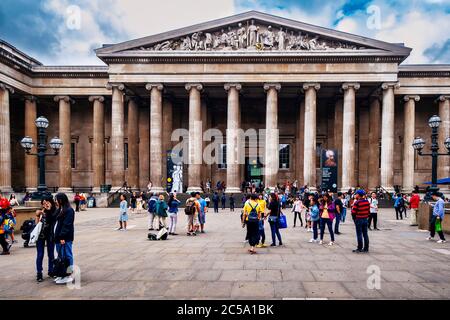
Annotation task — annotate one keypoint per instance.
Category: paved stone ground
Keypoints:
(216, 265)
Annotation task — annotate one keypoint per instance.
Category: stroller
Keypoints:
(162, 235)
(26, 228)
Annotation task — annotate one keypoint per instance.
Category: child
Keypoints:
(123, 218)
(5, 209)
(314, 216)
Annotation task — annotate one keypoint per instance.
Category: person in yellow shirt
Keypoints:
(262, 233)
(251, 216)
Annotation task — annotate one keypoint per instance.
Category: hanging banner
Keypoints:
(174, 181)
(329, 170)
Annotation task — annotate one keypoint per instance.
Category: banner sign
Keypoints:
(329, 170)
(174, 181)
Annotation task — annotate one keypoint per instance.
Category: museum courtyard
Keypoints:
(216, 265)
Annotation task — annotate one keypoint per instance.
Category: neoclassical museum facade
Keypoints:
(314, 87)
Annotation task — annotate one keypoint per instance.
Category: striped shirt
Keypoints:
(360, 209)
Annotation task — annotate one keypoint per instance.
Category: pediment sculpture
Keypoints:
(251, 37)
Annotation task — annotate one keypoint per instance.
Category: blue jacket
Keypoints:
(64, 225)
(439, 209)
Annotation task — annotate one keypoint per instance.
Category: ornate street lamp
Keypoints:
(55, 143)
(419, 144)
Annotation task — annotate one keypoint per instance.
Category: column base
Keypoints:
(194, 189)
(114, 189)
(407, 190)
(65, 190)
(157, 190)
(96, 190)
(30, 189)
(6, 189)
(232, 190)
(389, 189)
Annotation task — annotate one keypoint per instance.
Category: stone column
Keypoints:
(271, 157)
(387, 136)
(444, 133)
(409, 123)
(133, 144)
(117, 137)
(166, 134)
(195, 137)
(5, 139)
(299, 144)
(31, 164)
(98, 143)
(233, 128)
(65, 165)
(309, 167)
(348, 136)
(374, 144)
(337, 132)
(156, 128)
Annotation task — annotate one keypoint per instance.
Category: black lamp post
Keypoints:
(419, 143)
(55, 143)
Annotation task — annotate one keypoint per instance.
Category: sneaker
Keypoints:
(150, 229)
(312, 241)
(430, 238)
(321, 242)
(194, 233)
(119, 229)
(370, 228)
(65, 280)
(280, 244)
(174, 234)
(376, 229)
(5, 253)
(259, 245)
(331, 243)
(441, 241)
(273, 245)
(264, 245)
(57, 279)
(39, 277)
(337, 232)
(356, 251)
(188, 234)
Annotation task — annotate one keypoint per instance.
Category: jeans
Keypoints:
(262, 232)
(373, 216)
(399, 211)
(361, 233)
(67, 253)
(161, 222)
(343, 214)
(40, 248)
(216, 207)
(275, 231)
(329, 223)
(151, 219)
(433, 228)
(299, 214)
(173, 222)
(336, 224)
(315, 224)
(231, 206)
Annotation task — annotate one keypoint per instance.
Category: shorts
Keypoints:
(123, 217)
(192, 219)
(202, 218)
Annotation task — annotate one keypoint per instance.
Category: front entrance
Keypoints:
(253, 170)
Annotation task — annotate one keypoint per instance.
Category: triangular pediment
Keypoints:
(251, 32)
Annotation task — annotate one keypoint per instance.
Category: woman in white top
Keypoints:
(13, 201)
(297, 208)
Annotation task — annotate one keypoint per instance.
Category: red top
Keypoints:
(414, 201)
(361, 209)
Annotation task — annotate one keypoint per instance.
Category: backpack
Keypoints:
(253, 215)
(190, 208)
(152, 205)
(9, 224)
(401, 202)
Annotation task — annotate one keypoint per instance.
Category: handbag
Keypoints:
(34, 235)
(61, 263)
(282, 222)
(438, 226)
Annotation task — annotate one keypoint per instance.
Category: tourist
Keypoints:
(274, 215)
(437, 217)
(64, 234)
(339, 205)
(82, 202)
(192, 210)
(327, 215)
(173, 204)
(262, 232)
(202, 212)
(208, 201)
(223, 200)
(13, 201)
(245, 199)
(360, 214)
(373, 215)
(151, 208)
(208, 186)
(251, 216)
(77, 200)
(133, 200)
(414, 202)
(5, 208)
(314, 216)
(27, 197)
(297, 209)
(306, 203)
(344, 207)
(47, 216)
(398, 205)
(231, 199)
(149, 186)
(215, 200)
(139, 203)
(123, 217)
(161, 212)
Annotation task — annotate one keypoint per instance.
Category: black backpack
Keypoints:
(190, 208)
(253, 215)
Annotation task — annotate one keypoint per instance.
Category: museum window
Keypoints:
(222, 157)
(284, 156)
(73, 155)
(125, 155)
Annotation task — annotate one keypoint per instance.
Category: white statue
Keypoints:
(252, 35)
(177, 178)
(242, 36)
(269, 37)
(281, 37)
(208, 41)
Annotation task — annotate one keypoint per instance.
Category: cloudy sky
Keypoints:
(60, 32)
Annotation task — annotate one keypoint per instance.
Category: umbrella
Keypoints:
(440, 181)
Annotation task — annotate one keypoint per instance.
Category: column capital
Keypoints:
(65, 98)
(111, 85)
(190, 86)
(228, 86)
(410, 97)
(4, 86)
(94, 98)
(30, 98)
(309, 85)
(158, 86)
(354, 85)
(443, 98)
(387, 85)
(268, 86)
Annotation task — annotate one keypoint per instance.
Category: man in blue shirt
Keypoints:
(437, 216)
(202, 213)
